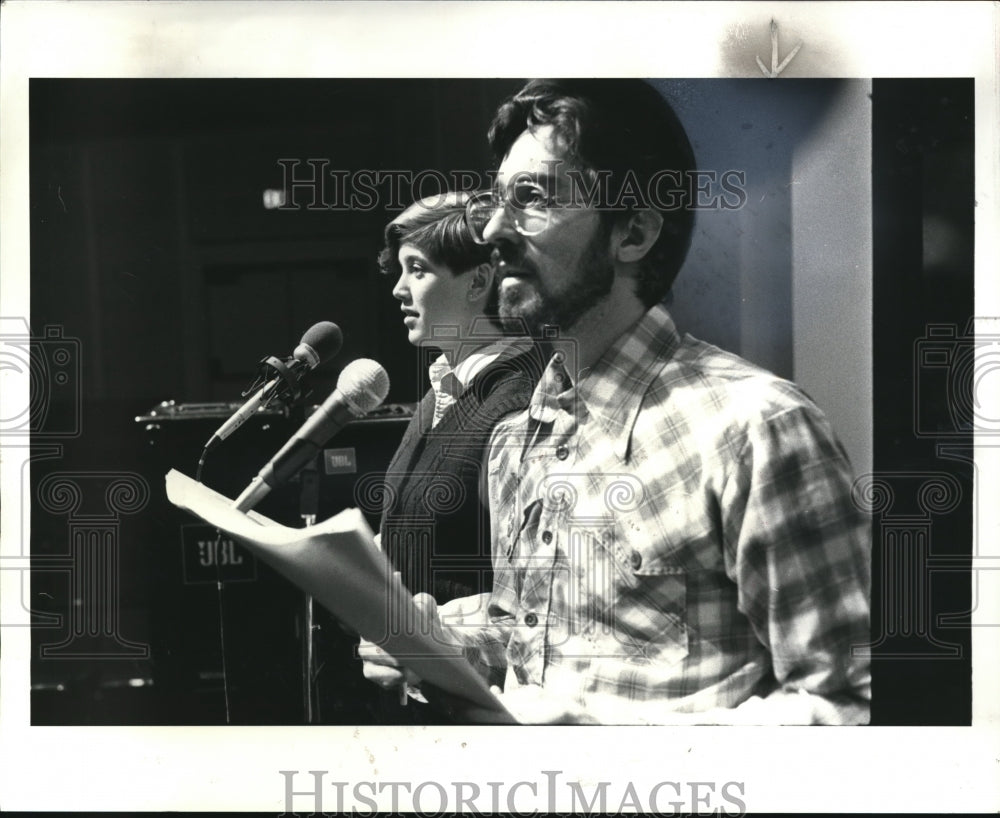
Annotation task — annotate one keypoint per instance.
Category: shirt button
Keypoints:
(636, 560)
(530, 620)
(562, 452)
(546, 537)
(558, 358)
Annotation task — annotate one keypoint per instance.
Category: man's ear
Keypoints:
(636, 236)
(480, 281)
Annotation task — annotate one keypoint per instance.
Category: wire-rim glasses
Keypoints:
(525, 202)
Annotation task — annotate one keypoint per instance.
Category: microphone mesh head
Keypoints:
(364, 383)
(319, 344)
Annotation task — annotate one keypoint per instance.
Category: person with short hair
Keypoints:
(434, 526)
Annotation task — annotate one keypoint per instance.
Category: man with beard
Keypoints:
(674, 537)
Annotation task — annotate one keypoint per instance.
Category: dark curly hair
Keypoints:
(623, 127)
(436, 226)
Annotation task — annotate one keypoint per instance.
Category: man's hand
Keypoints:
(533, 704)
(381, 668)
(530, 704)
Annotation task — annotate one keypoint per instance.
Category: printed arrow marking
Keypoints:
(776, 67)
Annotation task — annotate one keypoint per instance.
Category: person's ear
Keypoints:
(636, 237)
(480, 281)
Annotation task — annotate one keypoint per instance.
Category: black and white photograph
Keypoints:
(424, 407)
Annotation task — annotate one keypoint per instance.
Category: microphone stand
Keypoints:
(308, 510)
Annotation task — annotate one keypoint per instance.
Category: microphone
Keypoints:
(361, 387)
(319, 344)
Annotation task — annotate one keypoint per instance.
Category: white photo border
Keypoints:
(237, 768)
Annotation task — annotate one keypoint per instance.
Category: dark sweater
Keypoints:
(435, 521)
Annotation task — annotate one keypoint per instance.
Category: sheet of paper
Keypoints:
(338, 564)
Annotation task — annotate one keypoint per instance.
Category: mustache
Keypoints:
(507, 256)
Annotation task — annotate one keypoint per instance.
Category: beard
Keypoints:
(529, 304)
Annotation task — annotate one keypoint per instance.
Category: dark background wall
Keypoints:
(152, 253)
(925, 400)
(148, 222)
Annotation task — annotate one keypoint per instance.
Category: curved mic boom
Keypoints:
(319, 344)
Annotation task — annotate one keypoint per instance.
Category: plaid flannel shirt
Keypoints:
(674, 532)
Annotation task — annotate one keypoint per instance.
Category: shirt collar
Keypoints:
(456, 380)
(442, 377)
(554, 391)
(612, 390)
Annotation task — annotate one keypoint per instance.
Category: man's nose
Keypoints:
(499, 226)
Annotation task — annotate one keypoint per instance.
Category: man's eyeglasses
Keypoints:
(527, 204)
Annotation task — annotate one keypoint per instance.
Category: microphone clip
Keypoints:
(283, 379)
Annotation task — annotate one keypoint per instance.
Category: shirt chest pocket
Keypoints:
(635, 601)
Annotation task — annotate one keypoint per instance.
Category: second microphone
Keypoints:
(361, 388)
